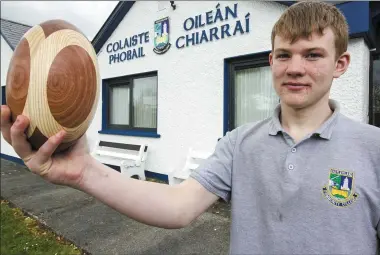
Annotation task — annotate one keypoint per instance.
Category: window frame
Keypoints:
(374, 55)
(255, 60)
(3, 95)
(126, 80)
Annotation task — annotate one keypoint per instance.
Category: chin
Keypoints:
(294, 102)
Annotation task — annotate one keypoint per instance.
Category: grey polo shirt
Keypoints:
(318, 196)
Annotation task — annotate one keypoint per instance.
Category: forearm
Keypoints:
(147, 202)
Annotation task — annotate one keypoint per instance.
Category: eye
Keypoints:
(282, 56)
(313, 55)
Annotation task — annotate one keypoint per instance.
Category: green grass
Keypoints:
(24, 235)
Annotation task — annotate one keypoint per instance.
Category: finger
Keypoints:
(42, 158)
(6, 123)
(18, 137)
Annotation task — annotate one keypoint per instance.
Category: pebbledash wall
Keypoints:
(193, 79)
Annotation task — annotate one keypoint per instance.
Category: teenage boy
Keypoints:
(306, 180)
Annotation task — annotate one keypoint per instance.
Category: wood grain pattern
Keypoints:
(35, 36)
(17, 82)
(39, 107)
(63, 87)
(71, 86)
(52, 26)
(37, 139)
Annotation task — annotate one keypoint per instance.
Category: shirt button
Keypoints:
(294, 150)
(290, 167)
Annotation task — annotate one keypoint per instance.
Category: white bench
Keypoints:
(130, 158)
(193, 160)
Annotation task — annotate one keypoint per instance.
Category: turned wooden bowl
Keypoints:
(53, 79)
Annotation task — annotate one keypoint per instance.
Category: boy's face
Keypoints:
(303, 71)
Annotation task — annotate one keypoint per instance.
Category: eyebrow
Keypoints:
(307, 50)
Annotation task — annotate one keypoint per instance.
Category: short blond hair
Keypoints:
(303, 18)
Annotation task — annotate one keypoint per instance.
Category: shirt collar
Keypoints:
(324, 131)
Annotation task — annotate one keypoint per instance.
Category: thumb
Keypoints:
(42, 159)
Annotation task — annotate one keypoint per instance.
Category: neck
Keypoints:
(300, 122)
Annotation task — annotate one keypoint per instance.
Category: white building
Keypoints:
(206, 73)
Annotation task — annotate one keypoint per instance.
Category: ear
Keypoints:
(271, 59)
(342, 64)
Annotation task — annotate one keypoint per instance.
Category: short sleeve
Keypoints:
(215, 173)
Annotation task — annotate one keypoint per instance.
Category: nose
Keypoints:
(296, 66)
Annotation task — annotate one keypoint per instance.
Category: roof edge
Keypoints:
(290, 3)
(8, 42)
(352, 10)
(287, 3)
(14, 22)
(112, 22)
(22, 24)
(347, 7)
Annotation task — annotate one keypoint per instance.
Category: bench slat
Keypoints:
(116, 154)
(132, 147)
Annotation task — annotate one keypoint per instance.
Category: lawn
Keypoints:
(21, 234)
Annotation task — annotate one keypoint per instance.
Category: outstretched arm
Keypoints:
(155, 204)
(152, 203)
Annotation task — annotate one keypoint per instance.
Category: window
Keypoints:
(131, 103)
(3, 96)
(251, 94)
(374, 110)
(374, 84)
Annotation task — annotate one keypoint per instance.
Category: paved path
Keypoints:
(100, 229)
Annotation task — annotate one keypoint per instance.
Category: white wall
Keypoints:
(6, 55)
(190, 80)
(352, 88)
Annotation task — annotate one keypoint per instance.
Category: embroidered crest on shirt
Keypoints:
(340, 188)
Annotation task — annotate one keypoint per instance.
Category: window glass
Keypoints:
(255, 97)
(119, 105)
(2, 95)
(145, 102)
(131, 103)
(376, 91)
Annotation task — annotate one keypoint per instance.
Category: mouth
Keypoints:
(296, 86)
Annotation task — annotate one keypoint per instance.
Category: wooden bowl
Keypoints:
(53, 79)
